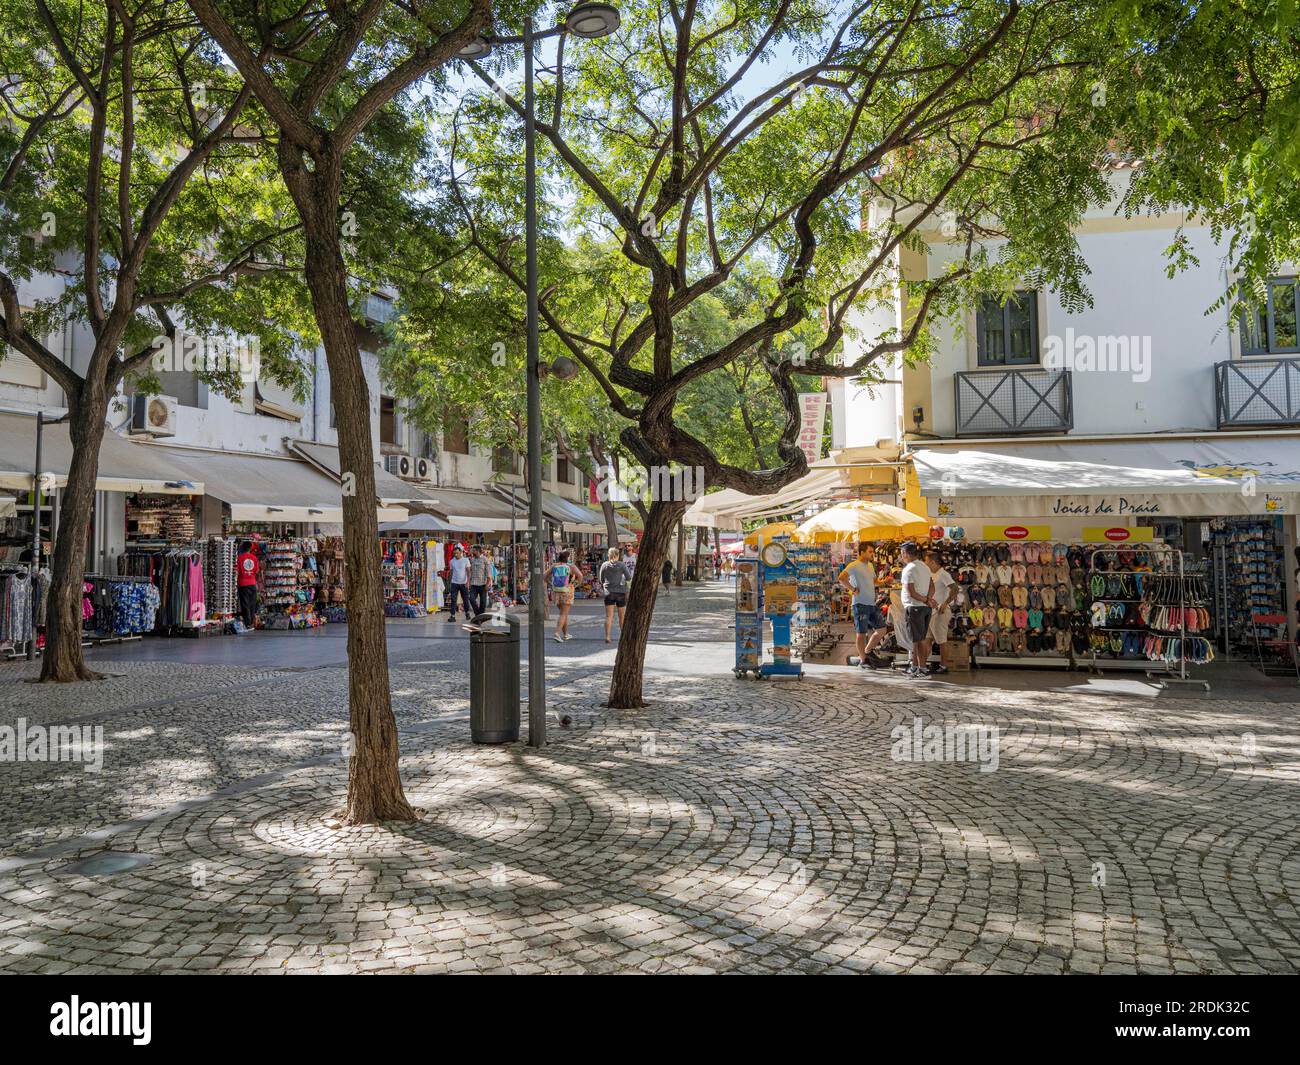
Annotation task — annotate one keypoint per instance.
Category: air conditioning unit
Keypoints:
(153, 415)
(402, 465)
(423, 470)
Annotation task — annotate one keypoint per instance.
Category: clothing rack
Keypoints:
(1168, 595)
(17, 608)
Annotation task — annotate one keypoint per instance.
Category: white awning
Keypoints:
(725, 509)
(1203, 476)
(124, 466)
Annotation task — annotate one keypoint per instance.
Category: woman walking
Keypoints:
(561, 578)
(614, 576)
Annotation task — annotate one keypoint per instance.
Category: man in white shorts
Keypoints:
(944, 591)
(918, 605)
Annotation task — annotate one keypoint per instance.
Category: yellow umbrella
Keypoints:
(771, 530)
(861, 519)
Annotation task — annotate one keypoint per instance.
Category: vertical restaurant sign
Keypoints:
(812, 420)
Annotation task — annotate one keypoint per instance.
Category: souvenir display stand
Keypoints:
(289, 584)
(749, 618)
(778, 603)
(1248, 583)
(1148, 606)
(816, 585)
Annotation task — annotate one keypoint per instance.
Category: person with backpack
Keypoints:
(667, 574)
(614, 577)
(561, 578)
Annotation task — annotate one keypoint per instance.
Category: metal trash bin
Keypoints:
(494, 679)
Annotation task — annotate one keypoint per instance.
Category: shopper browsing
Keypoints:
(943, 591)
(918, 605)
(480, 572)
(859, 577)
(561, 577)
(246, 569)
(458, 569)
(614, 577)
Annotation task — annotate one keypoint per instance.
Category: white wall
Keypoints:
(1132, 297)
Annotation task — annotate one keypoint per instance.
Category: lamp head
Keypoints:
(478, 48)
(564, 368)
(592, 20)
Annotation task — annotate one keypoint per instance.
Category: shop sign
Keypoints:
(812, 421)
(1098, 534)
(1116, 505)
(1017, 532)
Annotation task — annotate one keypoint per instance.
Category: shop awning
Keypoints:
(417, 523)
(726, 509)
(1178, 477)
(467, 510)
(124, 465)
(260, 487)
(389, 488)
(557, 509)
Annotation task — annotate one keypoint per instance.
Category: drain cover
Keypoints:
(106, 863)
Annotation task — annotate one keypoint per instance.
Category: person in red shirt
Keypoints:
(246, 569)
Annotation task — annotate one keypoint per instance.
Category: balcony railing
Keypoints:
(1006, 402)
(1257, 391)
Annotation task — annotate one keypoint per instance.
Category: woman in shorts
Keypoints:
(614, 576)
(561, 578)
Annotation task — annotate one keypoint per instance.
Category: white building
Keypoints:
(1147, 410)
(265, 457)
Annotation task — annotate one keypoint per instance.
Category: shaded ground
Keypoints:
(733, 825)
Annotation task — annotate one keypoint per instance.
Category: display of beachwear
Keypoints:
(177, 572)
(121, 606)
(1147, 605)
(1247, 581)
(17, 613)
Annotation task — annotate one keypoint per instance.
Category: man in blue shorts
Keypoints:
(859, 577)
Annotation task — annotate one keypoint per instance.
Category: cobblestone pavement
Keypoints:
(731, 826)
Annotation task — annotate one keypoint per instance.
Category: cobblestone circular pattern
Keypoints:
(731, 826)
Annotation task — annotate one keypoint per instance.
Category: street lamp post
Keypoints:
(586, 20)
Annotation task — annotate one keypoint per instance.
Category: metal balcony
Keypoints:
(1256, 391)
(1008, 402)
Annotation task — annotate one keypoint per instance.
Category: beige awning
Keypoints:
(124, 465)
(259, 487)
(389, 488)
(469, 511)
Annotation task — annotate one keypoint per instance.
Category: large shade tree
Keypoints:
(333, 77)
(807, 144)
(130, 159)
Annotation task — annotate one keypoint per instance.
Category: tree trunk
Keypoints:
(374, 784)
(699, 535)
(681, 552)
(62, 659)
(606, 504)
(629, 665)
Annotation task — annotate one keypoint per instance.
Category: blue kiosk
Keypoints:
(766, 587)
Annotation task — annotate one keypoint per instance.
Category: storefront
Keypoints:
(1222, 509)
